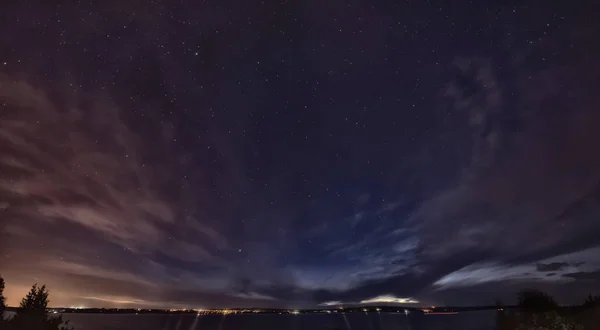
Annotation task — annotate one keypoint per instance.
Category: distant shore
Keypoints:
(352, 309)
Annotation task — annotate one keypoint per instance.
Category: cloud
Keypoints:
(479, 273)
(406, 245)
(483, 273)
(68, 267)
(584, 259)
(253, 296)
(516, 200)
(382, 299)
(387, 299)
(78, 189)
(523, 198)
(186, 251)
(551, 267)
(121, 300)
(584, 275)
(349, 268)
(66, 173)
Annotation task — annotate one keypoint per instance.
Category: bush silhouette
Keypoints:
(547, 321)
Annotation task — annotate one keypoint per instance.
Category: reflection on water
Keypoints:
(482, 320)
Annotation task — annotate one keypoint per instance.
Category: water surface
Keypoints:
(481, 320)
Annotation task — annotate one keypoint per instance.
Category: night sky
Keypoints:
(299, 153)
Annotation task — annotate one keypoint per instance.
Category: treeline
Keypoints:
(537, 310)
(32, 313)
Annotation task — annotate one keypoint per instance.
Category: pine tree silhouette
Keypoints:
(591, 301)
(32, 313)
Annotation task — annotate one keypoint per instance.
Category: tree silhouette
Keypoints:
(591, 301)
(590, 312)
(2, 301)
(537, 311)
(536, 301)
(32, 313)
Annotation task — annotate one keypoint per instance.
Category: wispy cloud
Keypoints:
(67, 173)
(67, 267)
(79, 174)
(253, 296)
(562, 265)
(382, 299)
(487, 272)
(389, 299)
(121, 300)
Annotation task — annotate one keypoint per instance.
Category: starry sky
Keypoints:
(299, 153)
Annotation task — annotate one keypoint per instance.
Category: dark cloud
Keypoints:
(584, 275)
(551, 267)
